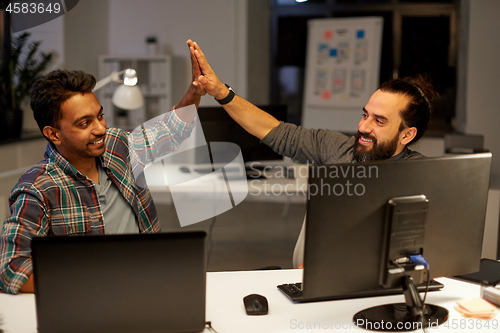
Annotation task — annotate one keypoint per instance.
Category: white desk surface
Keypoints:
(159, 175)
(225, 292)
(274, 187)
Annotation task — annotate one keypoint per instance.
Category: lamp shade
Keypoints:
(128, 97)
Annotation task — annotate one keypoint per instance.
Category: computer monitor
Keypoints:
(218, 126)
(348, 212)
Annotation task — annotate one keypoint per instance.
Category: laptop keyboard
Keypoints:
(294, 292)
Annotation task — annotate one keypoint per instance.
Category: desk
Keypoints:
(225, 292)
(275, 186)
(208, 192)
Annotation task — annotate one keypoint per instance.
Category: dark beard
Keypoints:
(379, 151)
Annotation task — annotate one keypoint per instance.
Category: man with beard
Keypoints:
(396, 115)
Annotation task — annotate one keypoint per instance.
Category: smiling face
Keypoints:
(79, 136)
(379, 131)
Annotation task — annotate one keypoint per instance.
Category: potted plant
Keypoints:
(25, 65)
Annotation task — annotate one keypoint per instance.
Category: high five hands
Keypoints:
(195, 71)
(204, 78)
(253, 120)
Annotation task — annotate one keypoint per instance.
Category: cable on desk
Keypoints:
(425, 296)
(419, 259)
(208, 325)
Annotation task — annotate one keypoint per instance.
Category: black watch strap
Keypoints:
(228, 98)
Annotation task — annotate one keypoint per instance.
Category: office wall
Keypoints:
(259, 51)
(219, 27)
(479, 75)
(234, 35)
(86, 35)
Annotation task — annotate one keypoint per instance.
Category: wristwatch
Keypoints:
(228, 98)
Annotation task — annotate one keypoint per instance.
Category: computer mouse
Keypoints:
(184, 169)
(255, 304)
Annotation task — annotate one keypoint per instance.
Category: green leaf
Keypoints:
(26, 65)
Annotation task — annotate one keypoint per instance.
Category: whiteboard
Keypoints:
(342, 70)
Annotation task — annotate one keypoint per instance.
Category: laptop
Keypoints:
(120, 283)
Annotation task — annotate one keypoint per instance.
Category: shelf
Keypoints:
(154, 79)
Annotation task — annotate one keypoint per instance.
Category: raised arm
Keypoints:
(254, 120)
(193, 94)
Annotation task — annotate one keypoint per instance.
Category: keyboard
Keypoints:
(251, 174)
(294, 292)
(203, 170)
(209, 169)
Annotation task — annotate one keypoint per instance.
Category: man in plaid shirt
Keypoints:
(85, 185)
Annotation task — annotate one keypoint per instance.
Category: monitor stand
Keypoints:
(398, 317)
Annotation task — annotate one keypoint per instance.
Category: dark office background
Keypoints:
(416, 35)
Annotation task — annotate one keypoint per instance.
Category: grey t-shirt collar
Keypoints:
(400, 155)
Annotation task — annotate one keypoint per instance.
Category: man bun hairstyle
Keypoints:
(52, 90)
(419, 109)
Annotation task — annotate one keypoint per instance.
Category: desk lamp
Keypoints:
(127, 96)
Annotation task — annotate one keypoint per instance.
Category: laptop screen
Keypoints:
(120, 283)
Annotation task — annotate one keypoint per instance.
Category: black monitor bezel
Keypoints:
(344, 237)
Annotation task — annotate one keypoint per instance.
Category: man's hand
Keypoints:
(208, 80)
(194, 92)
(251, 118)
(195, 71)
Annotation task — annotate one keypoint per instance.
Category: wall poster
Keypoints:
(343, 61)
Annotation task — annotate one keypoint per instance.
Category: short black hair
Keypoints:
(50, 91)
(418, 111)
